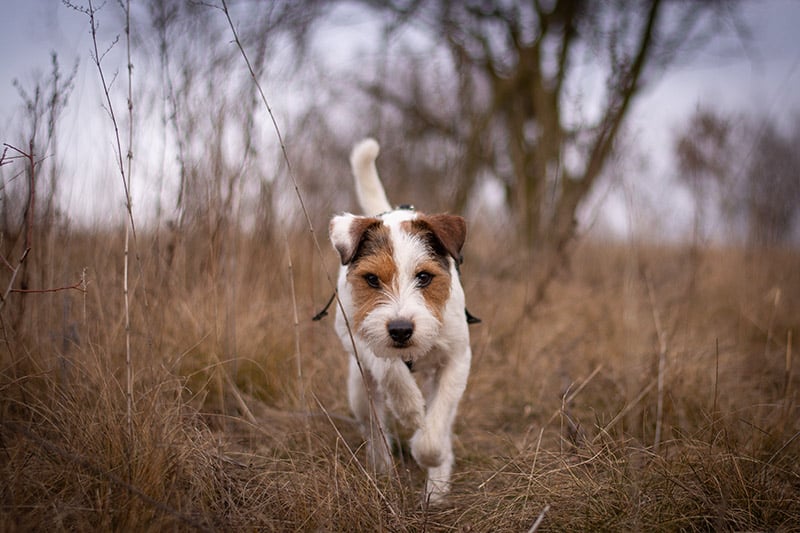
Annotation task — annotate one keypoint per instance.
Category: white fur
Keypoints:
(369, 190)
(378, 376)
(404, 300)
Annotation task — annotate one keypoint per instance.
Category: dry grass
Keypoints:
(561, 412)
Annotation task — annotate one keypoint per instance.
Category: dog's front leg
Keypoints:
(367, 405)
(403, 395)
(431, 445)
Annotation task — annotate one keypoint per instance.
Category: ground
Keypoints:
(654, 388)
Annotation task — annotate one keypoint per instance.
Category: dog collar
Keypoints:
(401, 207)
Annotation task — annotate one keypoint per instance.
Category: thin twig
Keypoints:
(785, 444)
(81, 285)
(301, 389)
(31, 209)
(28, 219)
(307, 216)
(787, 371)
(716, 384)
(533, 463)
(662, 362)
(605, 429)
(569, 398)
(128, 228)
(97, 58)
(355, 459)
(128, 364)
(284, 153)
(237, 396)
(775, 302)
(11, 281)
(539, 520)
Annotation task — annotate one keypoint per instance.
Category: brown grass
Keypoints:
(561, 409)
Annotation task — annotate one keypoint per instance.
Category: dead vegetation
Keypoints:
(183, 385)
(653, 389)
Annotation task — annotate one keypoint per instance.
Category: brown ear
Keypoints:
(450, 230)
(347, 231)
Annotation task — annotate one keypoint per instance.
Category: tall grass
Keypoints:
(651, 388)
(561, 411)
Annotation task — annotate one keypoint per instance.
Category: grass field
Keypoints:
(653, 389)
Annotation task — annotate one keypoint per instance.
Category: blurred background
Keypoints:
(667, 121)
(630, 175)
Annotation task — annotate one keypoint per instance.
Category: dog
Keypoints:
(404, 318)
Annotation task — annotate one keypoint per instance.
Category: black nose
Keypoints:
(400, 330)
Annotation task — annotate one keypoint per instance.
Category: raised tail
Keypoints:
(369, 190)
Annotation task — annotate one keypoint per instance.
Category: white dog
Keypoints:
(403, 302)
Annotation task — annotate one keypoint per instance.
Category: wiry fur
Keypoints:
(399, 271)
(369, 189)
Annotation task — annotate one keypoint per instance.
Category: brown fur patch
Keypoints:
(449, 230)
(373, 256)
(437, 293)
(358, 228)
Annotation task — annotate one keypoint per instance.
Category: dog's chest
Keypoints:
(428, 364)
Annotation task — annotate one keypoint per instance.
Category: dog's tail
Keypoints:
(369, 190)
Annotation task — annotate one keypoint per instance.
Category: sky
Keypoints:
(759, 74)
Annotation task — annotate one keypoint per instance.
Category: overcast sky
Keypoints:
(758, 75)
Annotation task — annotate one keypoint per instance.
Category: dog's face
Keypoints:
(398, 273)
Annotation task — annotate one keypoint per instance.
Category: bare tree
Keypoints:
(43, 106)
(744, 169)
(29, 193)
(208, 105)
(708, 160)
(512, 95)
(772, 195)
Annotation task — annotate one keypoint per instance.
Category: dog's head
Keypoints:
(399, 270)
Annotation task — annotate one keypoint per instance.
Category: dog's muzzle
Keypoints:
(400, 331)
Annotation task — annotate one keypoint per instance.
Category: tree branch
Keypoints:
(567, 39)
(618, 109)
(29, 222)
(414, 109)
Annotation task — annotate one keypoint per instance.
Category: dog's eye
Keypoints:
(373, 281)
(424, 279)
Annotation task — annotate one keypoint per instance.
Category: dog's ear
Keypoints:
(450, 231)
(347, 232)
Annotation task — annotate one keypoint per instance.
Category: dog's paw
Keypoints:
(436, 492)
(410, 410)
(427, 450)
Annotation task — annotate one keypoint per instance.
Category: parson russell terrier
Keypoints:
(399, 288)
